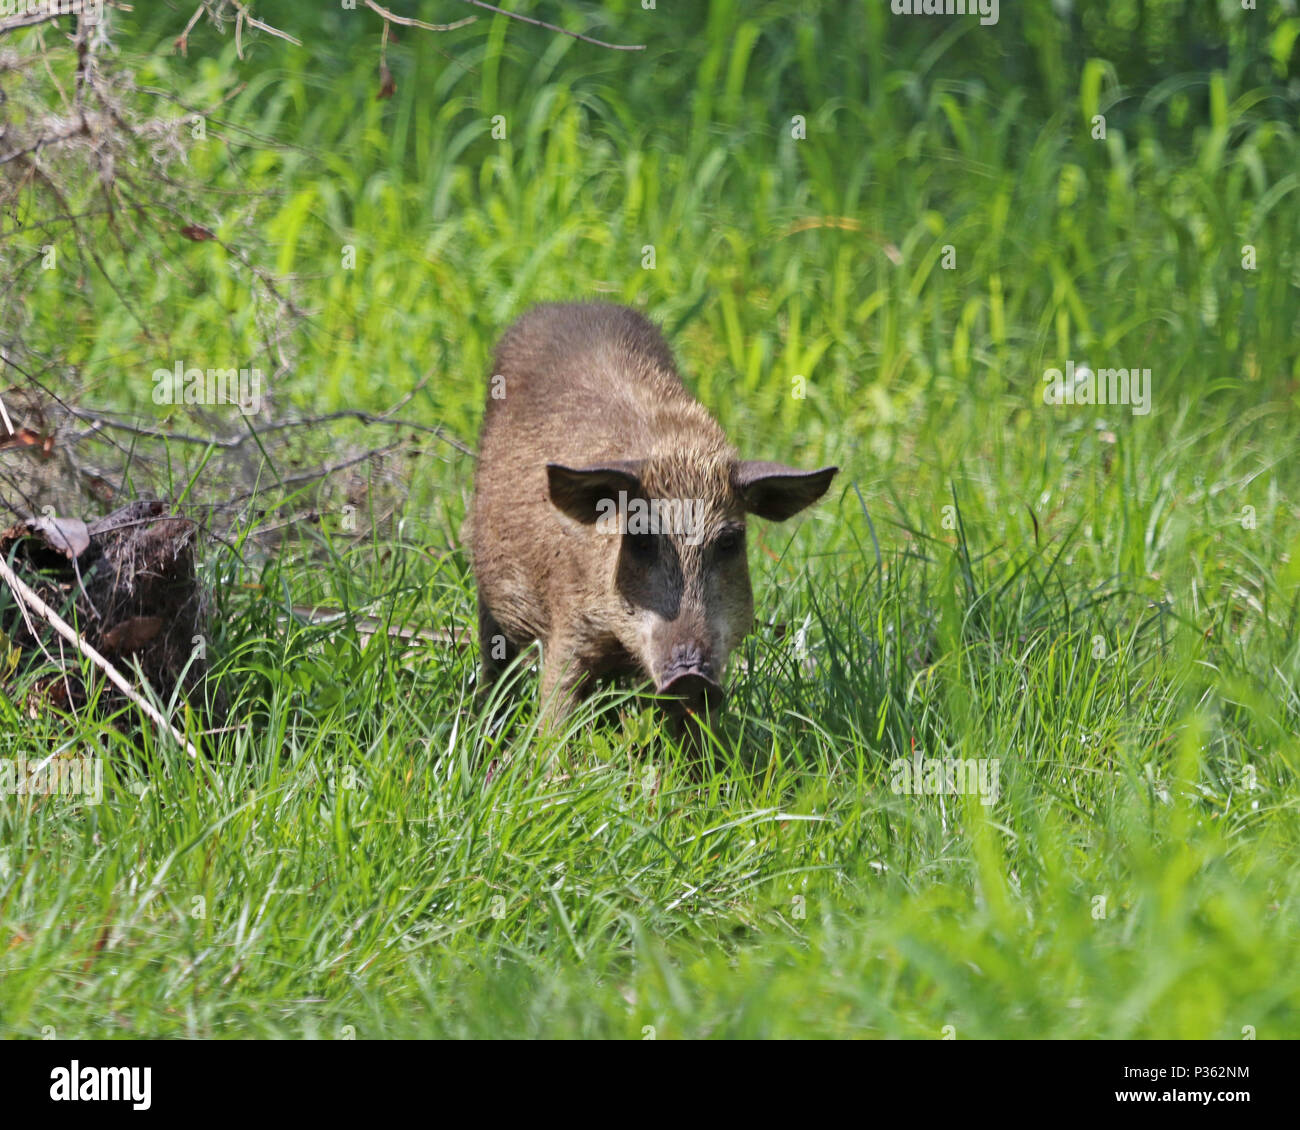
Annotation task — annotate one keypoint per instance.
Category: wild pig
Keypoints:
(608, 518)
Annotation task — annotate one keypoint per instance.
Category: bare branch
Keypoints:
(407, 21)
(246, 16)
(554, 27)
(183, 40)
(103, 421)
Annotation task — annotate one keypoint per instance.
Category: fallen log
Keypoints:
(125, 585)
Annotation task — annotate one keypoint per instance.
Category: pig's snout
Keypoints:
(687, 659)
(690, 678)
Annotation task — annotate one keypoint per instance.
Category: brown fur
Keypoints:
(589, 402)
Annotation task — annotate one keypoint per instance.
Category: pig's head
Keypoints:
(672, 581)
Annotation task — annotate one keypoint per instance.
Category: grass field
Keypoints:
(1103, 601)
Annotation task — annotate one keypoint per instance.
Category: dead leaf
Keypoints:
(387, 84)
(100, 488)
(25, 437)
(197, 233)
(68, 535)
(131, 635)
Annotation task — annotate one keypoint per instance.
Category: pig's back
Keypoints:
(581, 382)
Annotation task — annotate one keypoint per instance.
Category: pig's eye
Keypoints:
(727, 543)
(642, 547)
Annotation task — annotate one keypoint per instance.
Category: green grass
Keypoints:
(1104, 602)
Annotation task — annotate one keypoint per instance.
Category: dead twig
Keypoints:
(407, 21)
(245, 16)
(554, 27)
(183, 40)
(311, 476)
(232, 442)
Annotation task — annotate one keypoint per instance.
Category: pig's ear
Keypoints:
(578, 491)
(776, 492)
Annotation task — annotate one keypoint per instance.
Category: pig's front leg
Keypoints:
(496, 652)
(566, 679)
